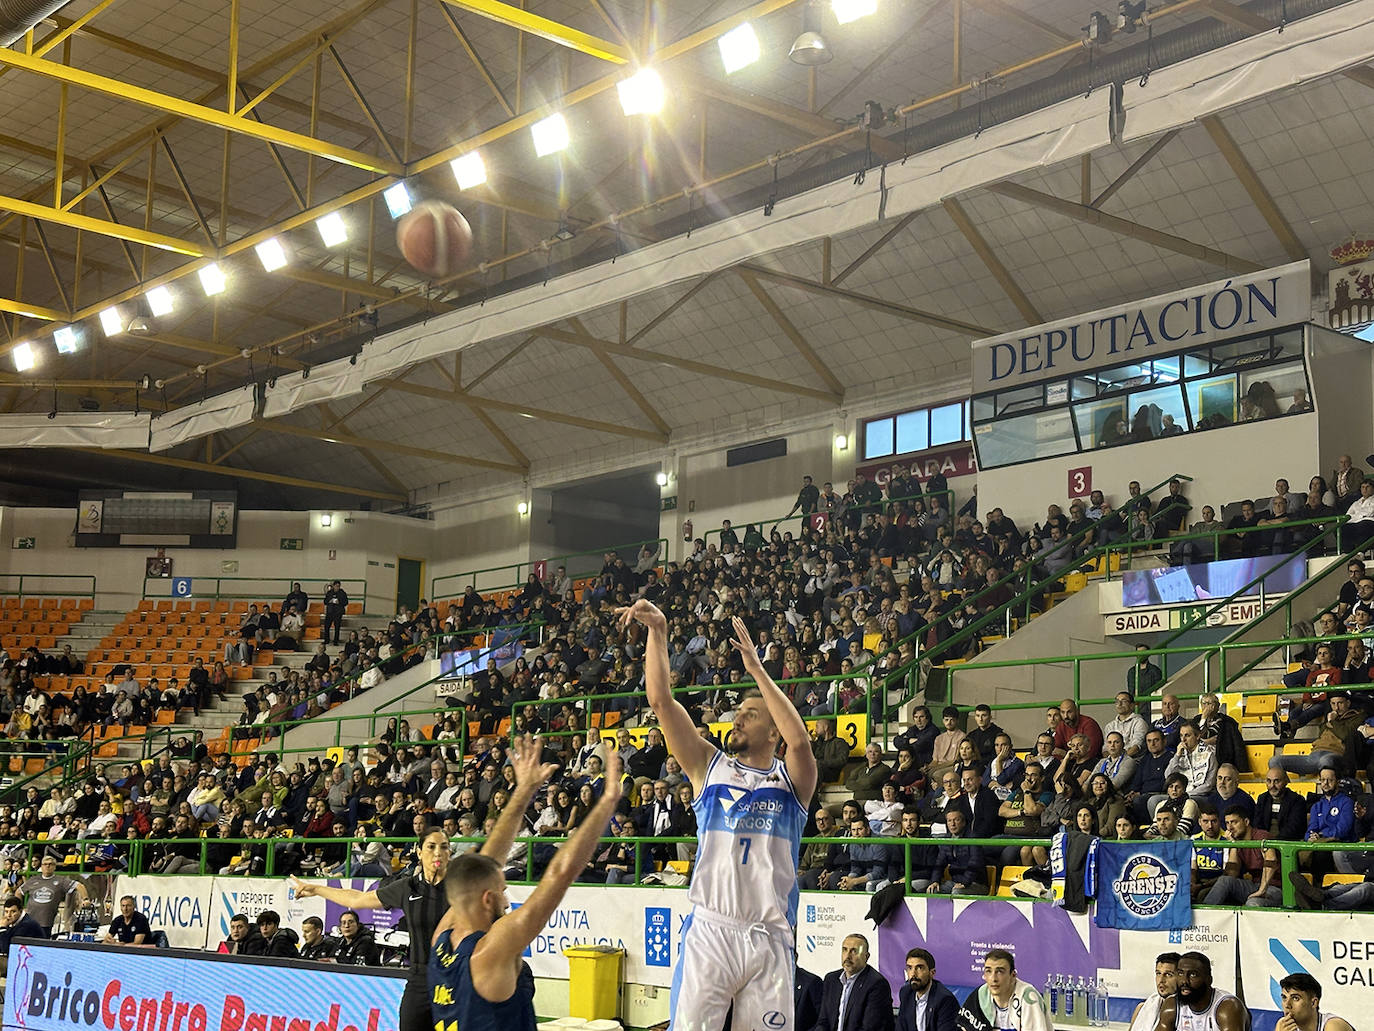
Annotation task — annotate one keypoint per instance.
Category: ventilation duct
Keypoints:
(18, 16)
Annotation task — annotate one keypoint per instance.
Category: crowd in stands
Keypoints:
(870, 580)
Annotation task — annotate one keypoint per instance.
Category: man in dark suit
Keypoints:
(980, 806)
(925, 1003)
(856, 997)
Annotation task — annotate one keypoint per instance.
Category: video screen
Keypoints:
(1180, 585)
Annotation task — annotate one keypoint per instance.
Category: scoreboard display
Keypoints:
(197, 519)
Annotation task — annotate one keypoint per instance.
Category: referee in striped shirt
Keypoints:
(421, 898)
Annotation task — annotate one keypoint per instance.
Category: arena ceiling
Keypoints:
(333, 102)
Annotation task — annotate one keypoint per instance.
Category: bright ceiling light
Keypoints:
(332, 229)
(841, 442)
(469, 169)
(111, 322)
(397, 199)
(641, 93)
(739, 48)
(65, 339)
(550, 135)
(211, 281)
(24, 357)
(661, 479)
(160, 300)
(523, 507)
(272, 254)
(847, 11)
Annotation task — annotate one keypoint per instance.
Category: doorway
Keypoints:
(410, 577)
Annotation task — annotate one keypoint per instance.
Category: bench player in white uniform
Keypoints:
(1146, 1015)
(1302, 997)
(739, 943)
(1196, 1005)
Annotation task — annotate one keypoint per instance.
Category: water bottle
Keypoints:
(1104, 998)
(1051, 996)
(1066, 991)
(1080, 1002)
(1091, 1009)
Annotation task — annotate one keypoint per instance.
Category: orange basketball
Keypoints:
(435, 239)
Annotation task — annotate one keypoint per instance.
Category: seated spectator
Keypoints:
(1180, 803)
(885, 814)
(1115, 764)
(865, 783)
(832, 752)
(957, 869)
(1128, 723)
(984, 733)
(1250, 875)
(1073, 722)
(130, 927)
(1006, 770)
(1228, 793)
(316, 946)
(1169, 721)
(1196, 762)
(1338, 745)
(357, 946)
(1021, 815)
(1280, 812)
(946, 749)
(872, 865)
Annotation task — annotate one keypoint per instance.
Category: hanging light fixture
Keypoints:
(810, 48)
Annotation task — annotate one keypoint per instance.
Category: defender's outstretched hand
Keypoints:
(525, 756)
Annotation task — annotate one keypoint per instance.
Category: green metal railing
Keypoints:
(884, 505)
(1126, 548)
(454, 584)
(1101, 556)
(137, 856)
(1004, 613)
(46, 585)
(273, 589)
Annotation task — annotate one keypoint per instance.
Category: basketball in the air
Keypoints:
(435, 239)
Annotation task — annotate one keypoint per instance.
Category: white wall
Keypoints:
(365, 546)
(478, 535)
(1227, 465)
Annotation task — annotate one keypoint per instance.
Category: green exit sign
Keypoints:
(24, 544)
(669, 503)
(293, 544)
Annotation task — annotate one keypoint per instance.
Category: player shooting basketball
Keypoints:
(738, 943)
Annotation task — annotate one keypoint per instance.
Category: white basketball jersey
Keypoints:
(749, 825)
(1188, 1019)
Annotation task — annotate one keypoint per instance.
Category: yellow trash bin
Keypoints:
(594, 981)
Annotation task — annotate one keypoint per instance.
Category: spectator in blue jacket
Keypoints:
(958, 869)
(872, 865)
(1332, 816)
(1147, 784)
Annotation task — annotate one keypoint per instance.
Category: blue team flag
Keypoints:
(1144, 885)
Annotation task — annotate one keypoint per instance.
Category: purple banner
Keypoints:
(380, 919)
(1044, 939)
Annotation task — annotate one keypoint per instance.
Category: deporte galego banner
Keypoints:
(58, 987)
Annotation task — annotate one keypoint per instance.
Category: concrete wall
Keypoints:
(1286, 447)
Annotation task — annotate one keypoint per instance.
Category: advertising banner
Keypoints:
(1335, 948)
(250, 896)
(177, 906)
(55, 987)
(1143, 885)
(645, 922)
(1046, 940)
(823, 920)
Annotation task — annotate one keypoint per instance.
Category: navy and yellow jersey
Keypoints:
(454, 1001)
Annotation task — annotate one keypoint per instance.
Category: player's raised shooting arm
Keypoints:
(684, 743)
(801, 763)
